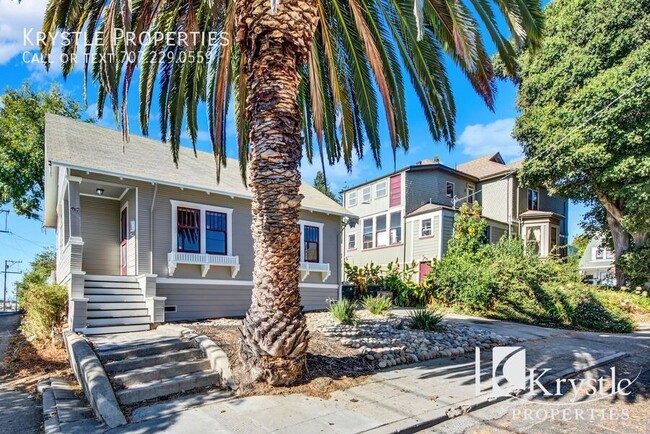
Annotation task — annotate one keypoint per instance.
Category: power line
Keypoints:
(8, 264)
(569, 134)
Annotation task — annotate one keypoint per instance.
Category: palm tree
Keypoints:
(295, 69)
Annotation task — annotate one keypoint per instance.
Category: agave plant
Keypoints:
(308, 72)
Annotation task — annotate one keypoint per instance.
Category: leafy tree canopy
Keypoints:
(595, 51)
(22, 141)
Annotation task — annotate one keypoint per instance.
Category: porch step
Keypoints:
(167, 386)
(112, 291)
(102, 330)
(112, 305)
(156, 359)
(125, 285)
(116, 298)
(145, 350)
(107, 278)
(94, 322)
(159, 372)
(115, 313)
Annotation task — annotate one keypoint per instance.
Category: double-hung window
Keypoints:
(352, 198)
(311, 235)
(450, 189)
(533, 200)
(366, 195)
(367, 234)
(380, 189)
(381, 236)
(352, 241)
(216, 233)
(188, 230)
(396, 227)
(426, 229)
(470, 193)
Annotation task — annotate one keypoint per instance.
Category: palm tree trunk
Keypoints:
(274, 334)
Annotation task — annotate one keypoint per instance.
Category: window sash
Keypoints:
(450, 189)
(427, 229)
(366, 195)
(380, 189)
(533, 200)
(396, 227)
(188, 229)
(381, 236)
(470, 194)
(311, 237)
(352, 241)
(216, 229)
(352, 198)
(367, 234)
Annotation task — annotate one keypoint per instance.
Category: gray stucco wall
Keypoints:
(100, 232)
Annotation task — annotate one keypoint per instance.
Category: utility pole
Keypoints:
(8, 264)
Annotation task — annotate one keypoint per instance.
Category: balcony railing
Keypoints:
(205, 260)
(313, 267)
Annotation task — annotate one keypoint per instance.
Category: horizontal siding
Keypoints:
(426, 248)
(100, 224)
(212, 301)
(497, 233)
(447, 231)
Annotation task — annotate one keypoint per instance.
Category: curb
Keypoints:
(481, 402)
(63, 411)
(92, 377)
(213, 352)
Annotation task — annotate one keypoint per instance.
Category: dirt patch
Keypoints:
(26, 363)
(330, 365)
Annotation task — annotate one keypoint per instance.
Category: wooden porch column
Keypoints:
(75, 206)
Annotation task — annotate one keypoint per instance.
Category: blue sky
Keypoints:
(479, 131)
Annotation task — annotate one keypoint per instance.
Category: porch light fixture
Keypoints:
(100, 191)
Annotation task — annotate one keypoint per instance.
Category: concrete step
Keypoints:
(112, 291)
(99, 305)
(159, 372)
(94, 322)
(168, 386)
(156, 359)
(93, 284)
(102, 330)
(116, 313)
(115, 298)
(107, 278)
(143, 350)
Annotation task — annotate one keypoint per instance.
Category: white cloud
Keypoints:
(15, 20)
(482, 139)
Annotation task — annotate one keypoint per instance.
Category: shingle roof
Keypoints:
(90, 147)
(428, 207)
(487, 166)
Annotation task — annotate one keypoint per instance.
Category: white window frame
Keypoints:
(352, 236)
(470, 196)
(422, 234)
(366, 191)
(453, 189)
(527, 204)
(202, 231)
(385, 190)
(352, 198)
(363, 233)
(318, 225)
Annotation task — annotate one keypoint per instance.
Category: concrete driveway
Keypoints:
(409, 398)
(20, 412)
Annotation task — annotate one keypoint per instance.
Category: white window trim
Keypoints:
(363, 232)
(377, 196)
(354, 246)
(453, 188)
(430, 220)
(363, 194)
(206, 260)
(472, 194)
(352, 194)
(313, 267)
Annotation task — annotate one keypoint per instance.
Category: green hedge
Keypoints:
(45, 307)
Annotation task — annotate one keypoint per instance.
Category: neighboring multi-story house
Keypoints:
(597, 263)
(409, 215)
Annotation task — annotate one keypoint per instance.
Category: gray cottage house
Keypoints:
(141, 241)
(409, 215)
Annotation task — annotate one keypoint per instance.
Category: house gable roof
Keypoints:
(488, 166)
(83, 146)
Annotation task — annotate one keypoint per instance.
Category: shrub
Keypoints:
(635, 265)
(426, 319)
(363, 277)
(45, 306)
(377, 305)
(344, 311)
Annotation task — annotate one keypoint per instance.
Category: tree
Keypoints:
(296, 69)
(321, 184)
(584, 122)
(580, 243)
(42, 267)
(22, 142)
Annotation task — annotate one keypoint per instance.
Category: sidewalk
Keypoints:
(392, 399)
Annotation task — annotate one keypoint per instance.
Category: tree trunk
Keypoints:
(620, 237)
(274, 333)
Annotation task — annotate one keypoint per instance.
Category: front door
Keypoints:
(124, 240)
(425, 269)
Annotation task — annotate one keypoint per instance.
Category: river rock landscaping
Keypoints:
(389, 340)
